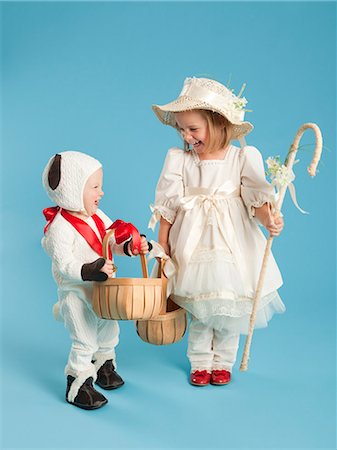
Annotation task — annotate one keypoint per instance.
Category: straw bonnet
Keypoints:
(204, 93)
(64, 178)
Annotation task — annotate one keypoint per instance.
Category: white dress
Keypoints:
(216, 244)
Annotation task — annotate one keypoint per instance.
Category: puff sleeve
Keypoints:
(255, 189)
(170, 188)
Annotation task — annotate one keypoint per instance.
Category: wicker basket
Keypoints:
(169, 326)
(127, 298)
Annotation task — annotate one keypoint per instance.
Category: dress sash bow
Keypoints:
(207, 197)
(200, 203)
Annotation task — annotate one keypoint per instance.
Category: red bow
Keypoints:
(123, 231)
(50, 214)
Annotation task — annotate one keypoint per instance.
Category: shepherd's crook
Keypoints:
(289, 164)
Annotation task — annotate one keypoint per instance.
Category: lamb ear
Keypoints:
(54, 174)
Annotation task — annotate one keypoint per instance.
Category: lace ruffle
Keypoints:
(222, 303)
(159, 211)
(257, 204)
(206, 255)
(200, 369)
(220, 314)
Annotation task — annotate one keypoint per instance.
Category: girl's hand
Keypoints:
(108, 268)
(274, 225)
(144, 246)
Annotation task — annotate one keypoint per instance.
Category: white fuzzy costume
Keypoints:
(93, 339)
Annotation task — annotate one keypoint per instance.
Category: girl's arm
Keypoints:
(169, 191)
(272, 224)
(163, 235)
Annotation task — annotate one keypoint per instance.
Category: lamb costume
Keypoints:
(93, 339)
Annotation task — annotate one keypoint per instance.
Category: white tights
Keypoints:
(210, 349)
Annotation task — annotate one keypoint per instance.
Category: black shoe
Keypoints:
(87, 396)
(107, 377)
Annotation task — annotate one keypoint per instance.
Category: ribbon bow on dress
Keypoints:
(206, 205)
(203, 201)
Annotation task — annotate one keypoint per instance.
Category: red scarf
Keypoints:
(122, 229)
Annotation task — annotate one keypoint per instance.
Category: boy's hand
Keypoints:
(92, 271)
(109, 268)
(144, 246)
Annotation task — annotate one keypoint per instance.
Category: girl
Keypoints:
(210, 199)
(73, 240)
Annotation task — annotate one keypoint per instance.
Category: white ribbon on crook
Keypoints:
(292, 191)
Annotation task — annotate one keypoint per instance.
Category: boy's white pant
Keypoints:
(210, 349)
(93, 339)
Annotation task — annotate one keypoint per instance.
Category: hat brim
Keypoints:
(165, 114)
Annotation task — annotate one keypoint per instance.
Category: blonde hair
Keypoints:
(220, 131)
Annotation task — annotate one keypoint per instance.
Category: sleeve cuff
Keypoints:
(126, 248)
(257, 204)
(161, 211)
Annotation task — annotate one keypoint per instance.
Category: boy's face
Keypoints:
(193, 128)
(93, 193)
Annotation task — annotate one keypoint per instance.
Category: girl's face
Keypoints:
(92, 192)
(193, 128)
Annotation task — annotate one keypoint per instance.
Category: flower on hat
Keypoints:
(240, 103)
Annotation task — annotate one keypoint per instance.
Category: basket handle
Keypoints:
(105, 251)
(105, 244)
(164, 286)
(143, 261)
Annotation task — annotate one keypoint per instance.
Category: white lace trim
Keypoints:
(221, 303)
(212, 162)
(207, 255)
(222, 367)
(166, 213)
(209, 370)
(257, 204)
(200, 369)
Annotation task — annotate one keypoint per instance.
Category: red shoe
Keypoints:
(220, 377)
(200, 378)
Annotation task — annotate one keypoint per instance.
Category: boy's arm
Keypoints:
(59, 245)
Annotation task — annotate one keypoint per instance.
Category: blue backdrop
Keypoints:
(82, 76)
